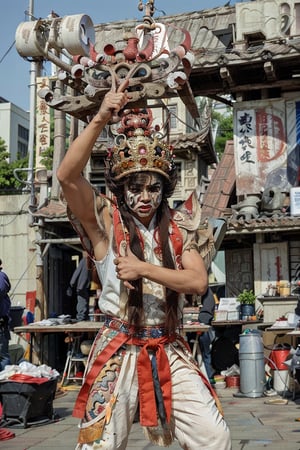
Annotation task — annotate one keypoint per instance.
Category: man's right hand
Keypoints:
(113, 102)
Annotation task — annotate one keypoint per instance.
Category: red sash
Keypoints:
(148, 409)
(148, 413)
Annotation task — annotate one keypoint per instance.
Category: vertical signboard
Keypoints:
(260, 146)
(42, 124)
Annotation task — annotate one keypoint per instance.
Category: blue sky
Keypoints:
(15, 71)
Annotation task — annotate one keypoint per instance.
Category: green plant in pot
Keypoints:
(247, 300)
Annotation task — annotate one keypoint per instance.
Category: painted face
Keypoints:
(143, 195)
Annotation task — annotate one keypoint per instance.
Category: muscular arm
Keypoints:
(77, 190)
(192, 279)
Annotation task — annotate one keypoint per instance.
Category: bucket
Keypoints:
(252, 365)
(232, 381)
(16, 313)
(281, 380)
(277, 358)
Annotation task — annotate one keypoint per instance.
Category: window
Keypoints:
(23, 133)
(22, 150)
(179, 172)
(173, 116)
(23, 136)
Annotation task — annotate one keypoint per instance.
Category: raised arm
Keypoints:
(77, 190)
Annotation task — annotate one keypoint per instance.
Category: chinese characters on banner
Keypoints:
(42, 124)
(260, 145)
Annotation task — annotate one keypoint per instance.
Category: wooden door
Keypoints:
(271, 265)
(239, 271)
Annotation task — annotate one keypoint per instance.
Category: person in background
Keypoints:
(81, 282)
(206, 315)
(4, 318)
(146, 261)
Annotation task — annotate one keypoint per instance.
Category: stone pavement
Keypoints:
(254, 425)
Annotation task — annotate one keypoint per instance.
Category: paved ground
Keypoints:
(254, 425)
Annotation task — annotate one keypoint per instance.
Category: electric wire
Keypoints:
(7, 51)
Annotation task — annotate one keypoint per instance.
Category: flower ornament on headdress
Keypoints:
(138, 148)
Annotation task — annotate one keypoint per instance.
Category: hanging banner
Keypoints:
(293, 142)
(260, 146)
(42, 124)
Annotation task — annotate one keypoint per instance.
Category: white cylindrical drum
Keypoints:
(281, 380)
(295, 201)
(30, 42)
(76, 33)
(252, 365)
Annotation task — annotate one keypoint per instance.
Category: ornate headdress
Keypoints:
(138, 148)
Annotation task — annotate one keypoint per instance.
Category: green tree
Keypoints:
(8, 182)
(222, 122)
(47, 157)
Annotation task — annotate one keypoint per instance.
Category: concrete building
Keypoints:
(14, 129)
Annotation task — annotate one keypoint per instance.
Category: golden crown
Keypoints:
(137, 151)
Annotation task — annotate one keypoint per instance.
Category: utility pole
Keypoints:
(35, 70)
(59, 144)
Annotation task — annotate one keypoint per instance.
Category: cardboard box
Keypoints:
(220, 315)
(229, 309)
(233, 315)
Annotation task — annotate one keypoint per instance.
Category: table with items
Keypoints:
(233, 328)
(40, 329)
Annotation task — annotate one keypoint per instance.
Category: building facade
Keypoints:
(246, 56)
(14, 129)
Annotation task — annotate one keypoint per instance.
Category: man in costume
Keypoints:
(146, 258)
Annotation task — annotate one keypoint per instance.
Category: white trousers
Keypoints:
(195, 420)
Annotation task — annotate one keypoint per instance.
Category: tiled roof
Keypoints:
(263, 224)
(198, 142)
(216, 203)
(221, 186)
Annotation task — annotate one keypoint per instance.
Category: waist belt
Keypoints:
(155, 345)
(144, 333)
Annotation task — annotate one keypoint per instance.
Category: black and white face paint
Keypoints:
(144, 195)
